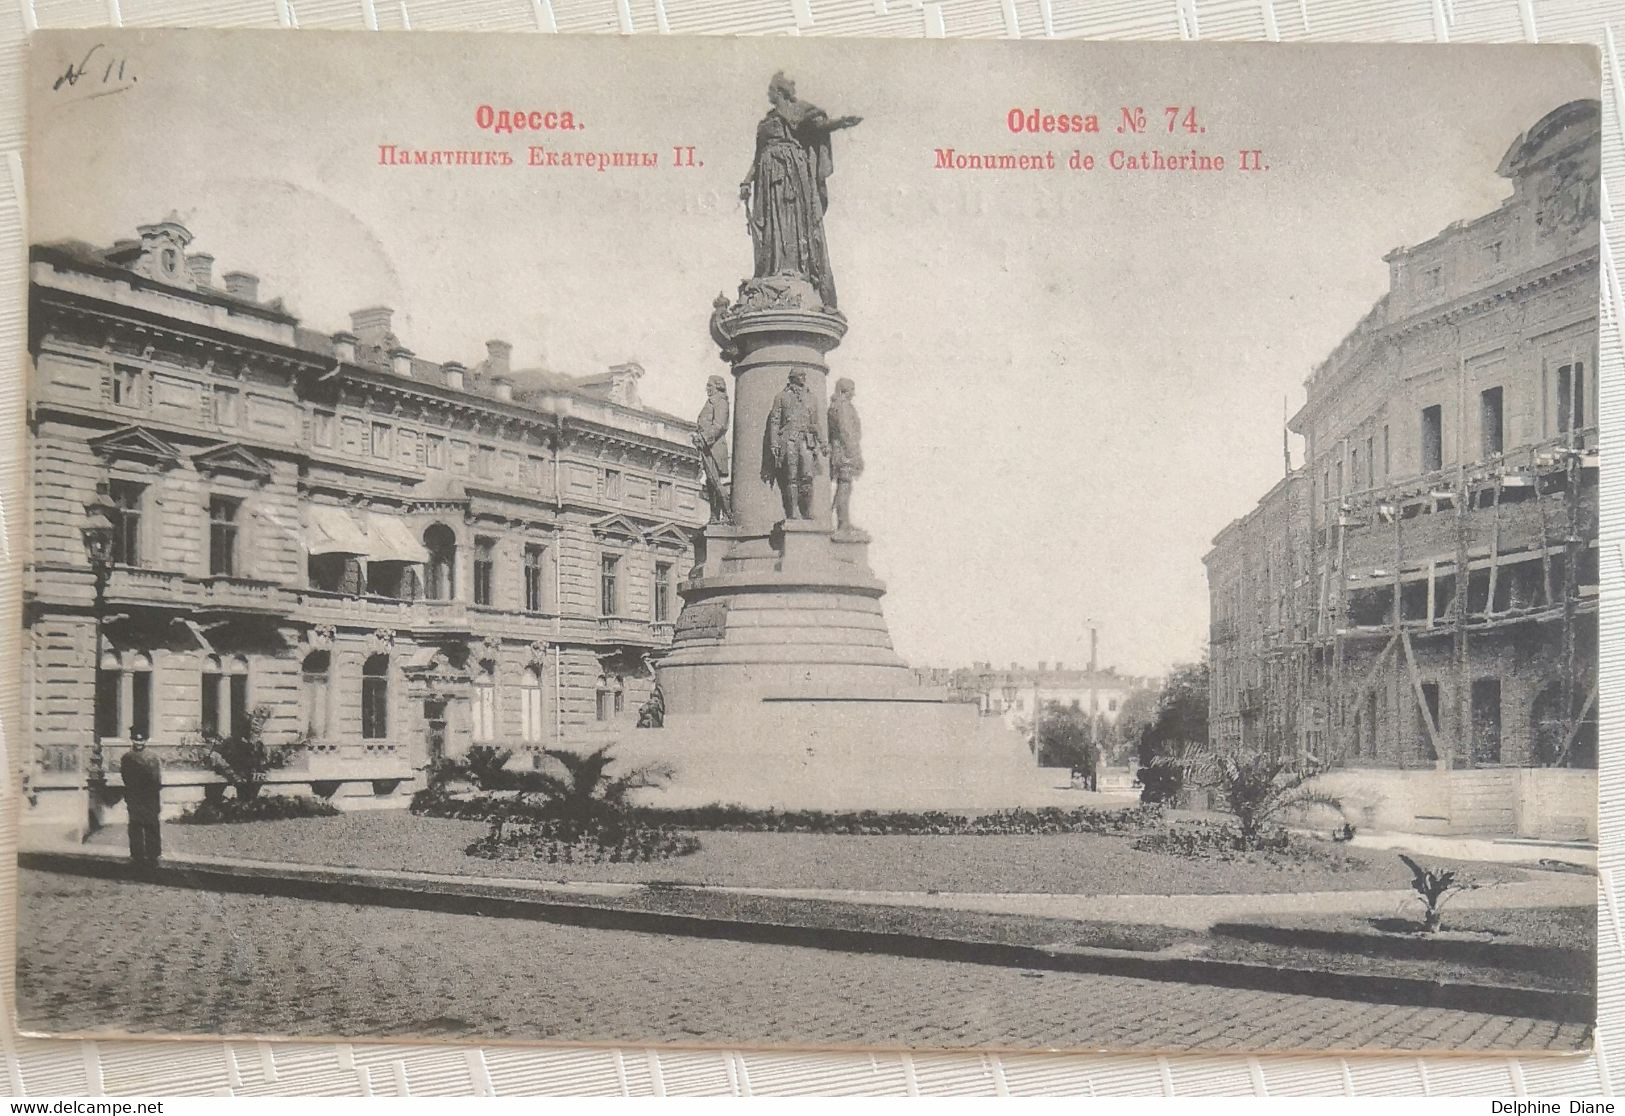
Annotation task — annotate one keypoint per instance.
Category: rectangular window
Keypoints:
(1430, 698)
(534, 565)
(322, 425)
(223, 513)
(663, 494)
(609, 596)
(484, 569)
(109, 701)
(605, 705)
(316, 695)
(141, 702)
(225, 406)
(485, 710)
(239, 704)
(612, 484)
(126, 498)
(484, 460)
(209, 709)
(1370, 463)
(434, 451)
(662, 592)
(374, 706)
(538, 472)
(1487, 720)
(1354, 469)
(1571, 408)
(1432, 438)
(383, 440)
(1490, 422)
(1387, 455)
(128, 383)
(530, 709)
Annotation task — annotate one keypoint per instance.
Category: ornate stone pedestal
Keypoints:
(776, 607)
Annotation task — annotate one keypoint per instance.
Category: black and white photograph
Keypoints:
(792, 543)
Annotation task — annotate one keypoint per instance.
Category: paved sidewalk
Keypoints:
(1190, 912)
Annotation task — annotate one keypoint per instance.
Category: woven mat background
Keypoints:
(35, 1067)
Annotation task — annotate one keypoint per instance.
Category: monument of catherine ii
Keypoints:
(781, 687)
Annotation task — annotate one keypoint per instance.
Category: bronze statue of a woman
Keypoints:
(785, 189)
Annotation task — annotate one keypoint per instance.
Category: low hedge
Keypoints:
(433, 802)
(263, 807)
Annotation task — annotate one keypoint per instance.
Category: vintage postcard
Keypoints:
(809, 543)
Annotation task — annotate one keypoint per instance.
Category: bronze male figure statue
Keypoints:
(845, 458)
(711, 438)
(796, 442)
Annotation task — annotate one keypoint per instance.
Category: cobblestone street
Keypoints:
(97, 955)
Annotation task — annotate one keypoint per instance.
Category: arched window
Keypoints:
(124, 695)
(441, 543)
(375, 698)
(530, 705)
(224, 705)
(485, 702)
(317, 677)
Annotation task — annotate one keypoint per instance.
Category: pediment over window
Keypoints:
(134, 443)
(616, 526)
(232, 459)
(667, 536)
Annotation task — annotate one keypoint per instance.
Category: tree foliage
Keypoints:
(1065, 739)
(1180, 719)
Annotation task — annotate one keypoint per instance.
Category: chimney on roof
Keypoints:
(1059, 666)
(502, 388)
(344, 346)
(400, 360)
(372, 323)
(454, 373)
(243, 285)
(1043, 666)
(623, 383)
(1014, 666)
(498, 358)
(201, 265)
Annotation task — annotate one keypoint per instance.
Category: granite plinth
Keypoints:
(903, 749)
(789, 611)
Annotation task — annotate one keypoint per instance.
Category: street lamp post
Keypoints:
(98, 536)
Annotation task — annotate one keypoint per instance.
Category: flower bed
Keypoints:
(1213, 840)
(553, 842)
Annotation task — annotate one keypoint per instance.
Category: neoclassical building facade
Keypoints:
(1421, 593)
(394, 559)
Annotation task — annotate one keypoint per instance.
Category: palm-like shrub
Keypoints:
(1433, 886)
(1257, 789)
(586, 798)
(242, 758)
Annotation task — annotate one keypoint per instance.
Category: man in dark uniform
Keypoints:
(143, 787)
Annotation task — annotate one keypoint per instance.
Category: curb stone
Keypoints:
(495, 900)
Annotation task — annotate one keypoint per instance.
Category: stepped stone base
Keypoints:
(903, 752)
(790, 612)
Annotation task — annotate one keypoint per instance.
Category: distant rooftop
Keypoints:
(159, 258)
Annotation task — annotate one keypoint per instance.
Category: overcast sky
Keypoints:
(1069, 382)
